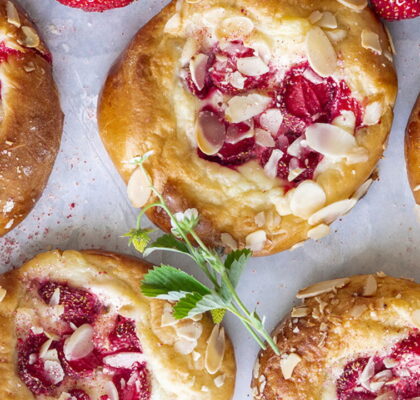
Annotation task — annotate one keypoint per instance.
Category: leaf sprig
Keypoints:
(191, 296)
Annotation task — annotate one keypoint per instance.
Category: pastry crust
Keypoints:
(412, 150)
(364, 316)
(114, 279)
(31, 122)
(144, 106)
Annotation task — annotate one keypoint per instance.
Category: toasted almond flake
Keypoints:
(124, 359)
(370, 287)
(111, 391)
(55, 298)
(79, 344)
(368, 371)
(330, 140)
(355, 5)
(296, 147)
(363, 189)
(390, 362)
(242, 108)
(322, 287)
(346, 120)
(196, 355)
(198, 70)
(215, 351)
(327, 20)
(306, 199)
(30, 67)
(373, 113)
(139, 188)
(416, 189)
(315, 17)
(270, 168)
(210, 133)
(228, 240)
(220, 380)
(370, 41)
(12, 15)
(331, 212)
(190, 49)
(255, 241)
(357, 310)
(237, 80)
(288, 364)
(173, 25)
(297, 246)
(252, 66)
(260, 219)
(416, 317)
(264, 138)
(262, 49)
(3, 293)
(299, 312)
(183, 346)
(391, 40)
(388, 56)
(271, 120)
(237, 27)
(189, 330)
(64, 396)
(44, 348)
(319, 232)
(320, 52)
(357, 155)
(37, 330)
(311, 76)
(294, 173)
(256, 369)
(30, 39)
(54, 371)
(336, 35)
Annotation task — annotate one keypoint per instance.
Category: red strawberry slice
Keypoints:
(124, 336)
(394, 10)
(96, 5)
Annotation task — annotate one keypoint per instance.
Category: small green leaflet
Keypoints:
(169, 283)
(169, 243)
(195, 303)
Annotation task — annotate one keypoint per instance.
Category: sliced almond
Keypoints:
(390, 362)
(294, 173)
(189, 330)
(306, 199)
(370, 287)
(228, 240)
(215, 351)
(54, 371)
(255, 241)
(173, 25)
(242, 108)
(270, 168)
(168, 318)
(296, 147)
(330, 140)
(236, 27)
(198, 70)
(65, 396)
(322, 287)
(416, 318)
(370, 41)
(312, 76)
(220, 380)
(252, 66)
(30, 37)
(12, 15)
(184, 346)
(362, 189)
(320, 52)
(55, 298)
(139, 188)
(3, 293)
(331, 212)
(288, 364)
(336, 35)
(373, 113)
(45, 347)
(299, 312)
(391, 40)
(210, 132)
(189, 50)
(271, 120)
(260, 219)
(355, 5)
(237, 80)
(111, 391)
(346, 120)
(264, 138)
(368, 371)
(319, 232)
(315, 17)
(327, 20)
(357, 310)
(124, 359)
(79, 344)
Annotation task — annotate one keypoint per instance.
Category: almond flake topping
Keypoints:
(189, 50)
(12, 15)
(264, 138)
(306, 199)
(370, 287)
(31, 38)
(363, 189)
(337, 35)
(138, 188)
(54, 371)
(220, 380)
(327, 20)
(320, 52)
(271, 120)
(357, 310)
(270, 168)
(256, 240)
(184, 346)
(322, 287)
(331, 212)
(198, 70)
(299, 312)
(79, 344)
(373, 113)
(55, 298)
(189, 330)
(242, 108)
(252, 66)
(370, 41)
(228, 240)
(210, 133)
(355, 5)
(288, 364)
(237, 27)
(315, 17)
(319, 232)
(3, 293)
(215, 351)
(111, 391)
(124, 360)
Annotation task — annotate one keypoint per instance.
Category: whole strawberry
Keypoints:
(96, 5)
(393, 10)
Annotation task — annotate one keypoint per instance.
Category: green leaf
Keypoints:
(195, 303)
(169, 243)
(235, 263)
(139, 238)
(169, 283)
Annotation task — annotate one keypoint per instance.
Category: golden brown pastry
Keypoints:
(268, 117)
(412, 150)
(351, 339)
(30, 116)
(76, 327)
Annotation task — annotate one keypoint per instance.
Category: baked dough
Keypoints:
(31, 118)
(153, 357)
(352, 338)
(412, 150)
(202, 74)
